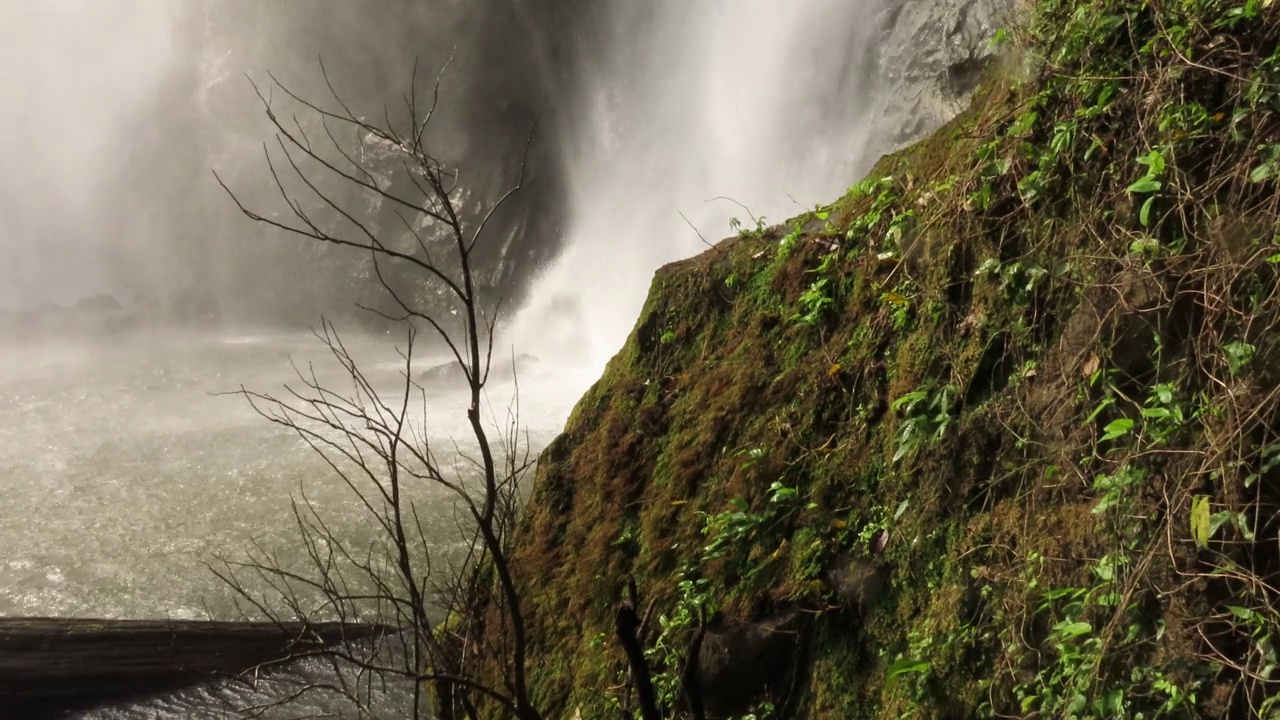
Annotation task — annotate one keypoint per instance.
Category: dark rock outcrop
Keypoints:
(741, 663)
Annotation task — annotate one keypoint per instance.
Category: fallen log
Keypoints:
(49, 666)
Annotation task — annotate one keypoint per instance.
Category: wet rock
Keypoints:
(932, 56)
(857, 582)
(450, 372)
(860, 581)
(95, 315)
(742, 663)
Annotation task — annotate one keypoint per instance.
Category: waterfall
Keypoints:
(72, 71)
(764, 102)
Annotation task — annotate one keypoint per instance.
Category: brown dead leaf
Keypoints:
(1091, 366)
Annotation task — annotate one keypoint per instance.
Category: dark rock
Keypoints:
(963, 76)
(742, 663)
(858, 582)
(451, 372)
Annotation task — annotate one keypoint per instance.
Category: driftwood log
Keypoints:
(50, 666)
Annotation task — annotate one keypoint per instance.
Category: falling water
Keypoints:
(717, 109)
(66, 105)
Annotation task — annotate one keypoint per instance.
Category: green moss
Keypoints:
(996, 305)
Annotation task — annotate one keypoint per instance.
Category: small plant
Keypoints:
(780, 494)
(1163, 414)
(881, 189)
(1268, 166)
(815, 300)
(731, 530)
(736, 226)
(666, 653)
(1239, 354)
(1018, 280)
(928, 416)
(1116, 488)
(900, 306)
(1149, 184)
(728, 528)
(788, 242)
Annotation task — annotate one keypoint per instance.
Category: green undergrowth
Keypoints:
(1037, 348)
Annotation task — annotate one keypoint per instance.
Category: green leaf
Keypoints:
(1147, 184)
(1113, 702)
(910, 399)
(1145, 244)
(1117, 429)
(1155, 161)
(1262, 173)
(904, 666)
(1111, 599)
(1239, 354)
(1075, 629)
(1242, 524)
(1103, 405)
(1218, 519)
(1241, 612)
(1063, 592)
(1144, 215)
(1200, 520)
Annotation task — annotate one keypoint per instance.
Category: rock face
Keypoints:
(741, 663)
(857, 582)
(932, 54)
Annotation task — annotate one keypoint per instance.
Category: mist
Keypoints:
(73, 72)
(121, 110)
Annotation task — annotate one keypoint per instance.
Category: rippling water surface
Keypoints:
(124, 474)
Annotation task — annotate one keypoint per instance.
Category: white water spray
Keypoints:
(767, 102)
(72, 72)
